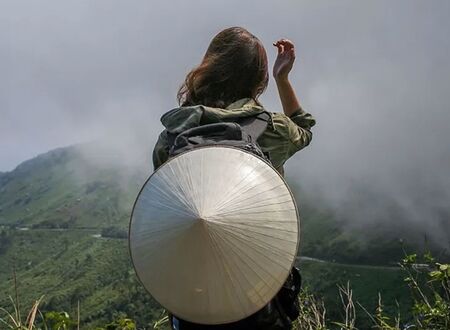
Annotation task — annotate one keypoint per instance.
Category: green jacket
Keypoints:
(283, 137)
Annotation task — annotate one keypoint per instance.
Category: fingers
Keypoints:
(288, 45)
(284, 45)
(279, 46)
(286, 42)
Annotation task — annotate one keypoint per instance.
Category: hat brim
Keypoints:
(213, 234)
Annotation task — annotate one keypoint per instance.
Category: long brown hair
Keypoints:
(233, 67)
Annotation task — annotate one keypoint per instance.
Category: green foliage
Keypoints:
(312, 312)
(14, 320)
(5, 240)
(120, 324)
(114, 232)
(430, 286)
(74, 266)
(62, 189)
(64, 202)
(59, 321)
(162, 322)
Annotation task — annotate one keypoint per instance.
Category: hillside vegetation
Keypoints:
(63, 224)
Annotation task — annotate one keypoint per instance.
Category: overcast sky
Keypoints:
(376, 75)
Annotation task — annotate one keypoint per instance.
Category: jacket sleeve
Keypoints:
(296, 128)
(161, 150)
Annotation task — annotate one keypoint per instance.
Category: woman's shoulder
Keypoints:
(297, 119)
(286, 135)
(279, 123)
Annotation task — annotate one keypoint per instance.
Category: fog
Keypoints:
(376, 76)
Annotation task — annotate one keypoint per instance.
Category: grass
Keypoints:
(325, 278)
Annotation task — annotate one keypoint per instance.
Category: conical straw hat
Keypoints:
(213, 234)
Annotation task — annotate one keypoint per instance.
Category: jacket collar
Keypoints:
(182, 118)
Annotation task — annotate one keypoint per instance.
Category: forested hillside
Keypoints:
(63, 230)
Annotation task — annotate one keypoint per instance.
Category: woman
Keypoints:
(231, 76)
(226, 85)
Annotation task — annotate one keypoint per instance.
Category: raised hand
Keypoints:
(285, 59)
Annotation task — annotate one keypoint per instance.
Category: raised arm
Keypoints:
(295, 124)
(282, 67)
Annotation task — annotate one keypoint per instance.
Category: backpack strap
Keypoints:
(255, 125)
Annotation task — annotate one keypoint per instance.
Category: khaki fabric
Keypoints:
(283, 137)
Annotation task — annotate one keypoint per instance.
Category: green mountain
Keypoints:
(63, 229)
(63, 189)
(53, 211)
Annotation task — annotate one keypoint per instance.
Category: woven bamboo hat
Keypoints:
(213, 234)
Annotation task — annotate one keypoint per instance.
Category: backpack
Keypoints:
(241, 133)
